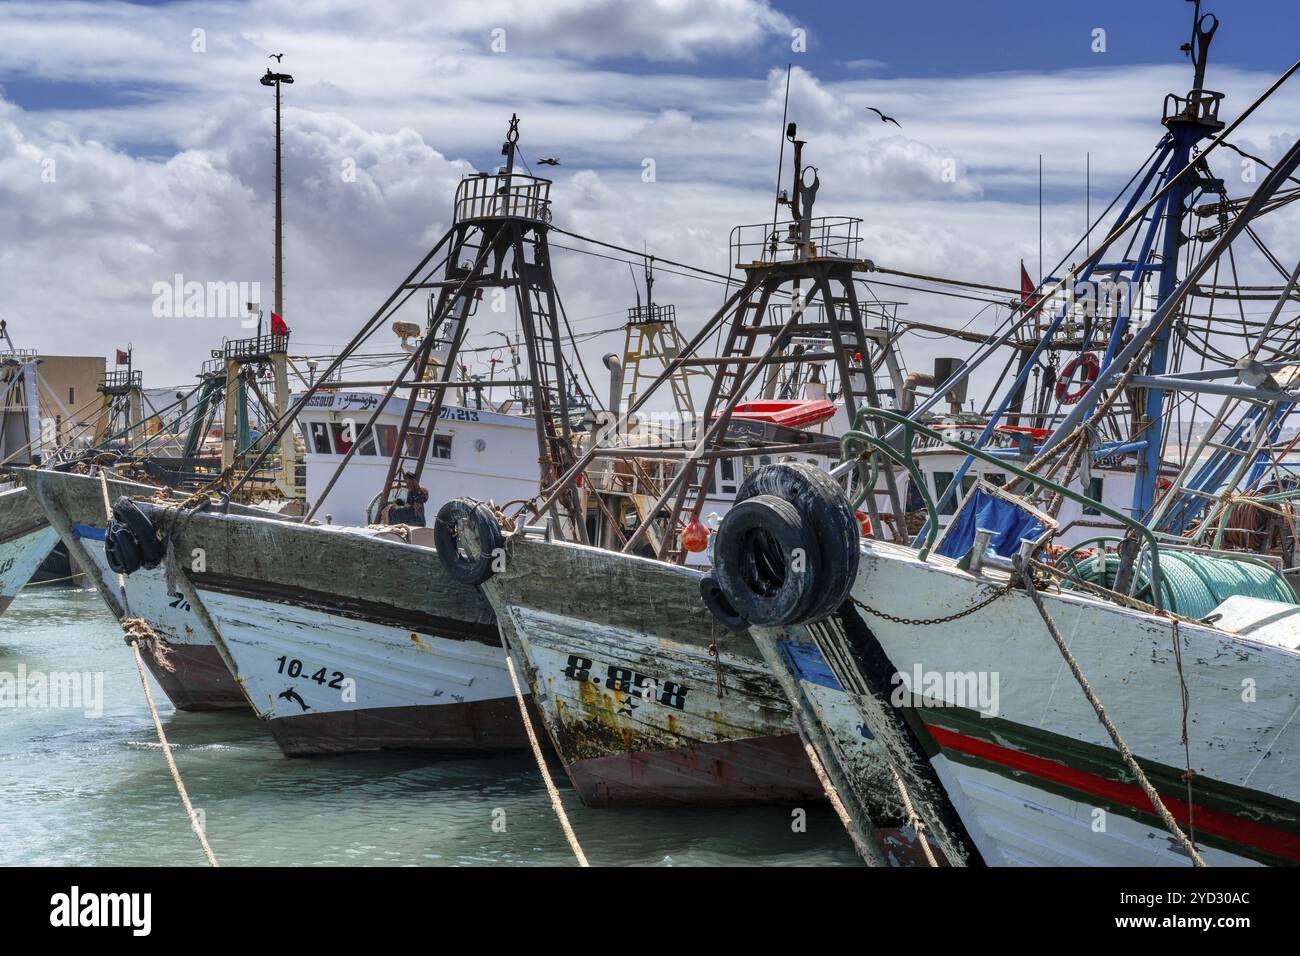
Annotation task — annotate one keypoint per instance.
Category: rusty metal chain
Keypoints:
(915, 622)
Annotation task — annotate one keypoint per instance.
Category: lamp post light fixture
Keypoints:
(275, 79)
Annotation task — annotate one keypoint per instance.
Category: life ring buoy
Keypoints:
(1090, 366)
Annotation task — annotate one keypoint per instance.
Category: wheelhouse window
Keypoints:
(727, 476)
(1095, 490)
(914, 500)
(387, 439)
(343, 436)
(320, 439)
(440, 450)
(942, 479)
(414, 439)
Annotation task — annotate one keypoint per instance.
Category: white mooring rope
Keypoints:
(135, 628)
(556, 804)
(1167, 818)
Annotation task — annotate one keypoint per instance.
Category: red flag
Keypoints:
(123, 357)
(1027, 297)
(277, 325)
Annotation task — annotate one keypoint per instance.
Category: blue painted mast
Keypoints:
(1189, 121)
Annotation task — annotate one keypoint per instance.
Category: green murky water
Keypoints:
(83, 789)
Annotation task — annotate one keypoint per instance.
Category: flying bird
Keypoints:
(884, 118)
(548, 161)
(275, 56)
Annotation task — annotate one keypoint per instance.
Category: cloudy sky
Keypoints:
(136, 143)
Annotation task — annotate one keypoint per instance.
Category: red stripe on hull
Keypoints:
(1235, 829)
(757, 770)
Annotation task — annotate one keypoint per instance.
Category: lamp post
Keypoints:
(275, 79)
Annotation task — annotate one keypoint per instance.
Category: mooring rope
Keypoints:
(1026, 577)
(833, 795)
(135, 630)
(134, 641)
(39, 584)
(913, 817)
(556, 804)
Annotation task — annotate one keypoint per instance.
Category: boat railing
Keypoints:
(652, 314)
(1087, 313)
(120, 381)
(860, 440)
(483, 196)
(769, 243)
(1198, 106)
(252, 349)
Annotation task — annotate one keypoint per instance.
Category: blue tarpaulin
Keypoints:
(1009, 524)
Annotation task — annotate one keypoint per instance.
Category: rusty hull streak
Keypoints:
(657, 601)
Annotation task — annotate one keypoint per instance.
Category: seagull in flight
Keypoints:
(548, 161)
(884, 118)
(275, 56)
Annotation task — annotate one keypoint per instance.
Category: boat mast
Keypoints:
(1189, 120)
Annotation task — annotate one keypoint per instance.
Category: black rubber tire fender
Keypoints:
(822, 502)
(120, 548)
(719, 606)
(766, 561)
(146, 536)
(464, 565)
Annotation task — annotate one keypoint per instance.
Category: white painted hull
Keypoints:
(168, 613)
(1037, 780)
(1015, 823)
(19, 559)
(389, 667)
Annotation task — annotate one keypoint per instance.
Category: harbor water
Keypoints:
(86, 785)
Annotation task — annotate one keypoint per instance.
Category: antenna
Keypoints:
(635, 288)
(650, 284)
(780, 162)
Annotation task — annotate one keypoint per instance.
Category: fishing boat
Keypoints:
(800, 354)
(38, 430)
(644, 696)
(166, 455)
(1129, 700)
(404, 656)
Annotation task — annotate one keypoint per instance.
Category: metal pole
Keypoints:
(279, 222)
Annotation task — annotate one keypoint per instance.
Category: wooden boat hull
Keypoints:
(398, 658)
(200, 679)
(26, 538)
(616, 650)
(1034, 778)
